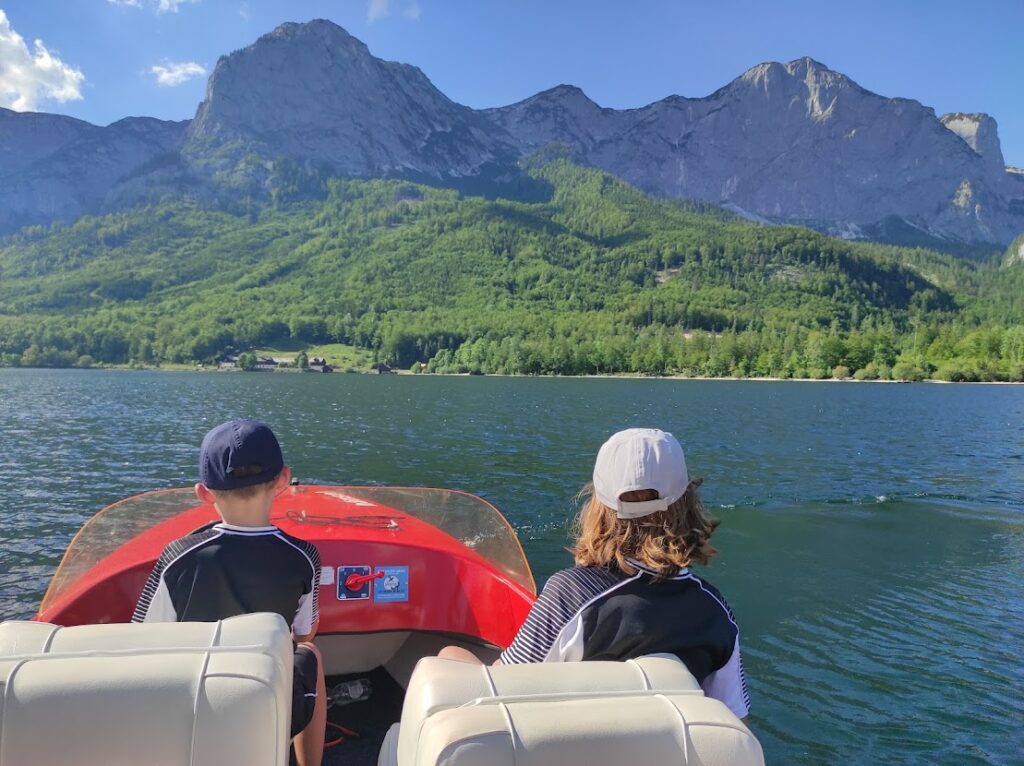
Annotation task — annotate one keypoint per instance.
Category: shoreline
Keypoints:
(182, 368)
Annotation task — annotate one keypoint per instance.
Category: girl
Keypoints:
(631, 592)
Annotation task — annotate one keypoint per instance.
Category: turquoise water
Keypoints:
(872, 539)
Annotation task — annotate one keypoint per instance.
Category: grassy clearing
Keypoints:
(338, 355)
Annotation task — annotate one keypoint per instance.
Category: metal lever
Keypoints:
(355, 582)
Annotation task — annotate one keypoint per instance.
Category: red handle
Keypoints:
(356, 581)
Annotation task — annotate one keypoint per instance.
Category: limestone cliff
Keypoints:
(783, 143)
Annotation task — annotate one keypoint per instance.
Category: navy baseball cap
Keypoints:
(239, 453)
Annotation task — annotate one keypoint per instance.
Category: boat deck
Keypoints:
(370, 718)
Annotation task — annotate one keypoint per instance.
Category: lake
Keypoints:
(872, 538)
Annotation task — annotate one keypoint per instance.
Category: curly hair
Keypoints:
(665, 542)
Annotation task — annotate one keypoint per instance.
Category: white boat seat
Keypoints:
(656, 728)
(440, 684)
(159, 694)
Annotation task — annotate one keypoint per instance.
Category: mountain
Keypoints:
(55, 168)
(795, 143)
(783, 143)
(312, 92)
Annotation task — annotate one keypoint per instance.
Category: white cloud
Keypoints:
(161, 6)
(378, 10)
(170, 74)
(171, 6)
(26, 78)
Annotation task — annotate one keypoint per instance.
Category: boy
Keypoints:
(244, 564)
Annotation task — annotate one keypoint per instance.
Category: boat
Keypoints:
(406, 571)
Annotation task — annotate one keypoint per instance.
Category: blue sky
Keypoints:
(101, 60)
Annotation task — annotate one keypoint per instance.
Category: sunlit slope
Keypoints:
(410, 270)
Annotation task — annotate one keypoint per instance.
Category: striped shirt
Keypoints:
(224, 570)
(593, 613)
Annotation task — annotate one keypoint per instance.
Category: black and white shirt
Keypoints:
(225, 570)
(593, 613)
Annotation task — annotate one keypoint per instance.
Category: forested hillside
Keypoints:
(598, 279)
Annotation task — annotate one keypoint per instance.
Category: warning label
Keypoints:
(393, 586)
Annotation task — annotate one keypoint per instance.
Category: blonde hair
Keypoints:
(664, 542)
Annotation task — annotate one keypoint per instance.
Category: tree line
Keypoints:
(596, 279)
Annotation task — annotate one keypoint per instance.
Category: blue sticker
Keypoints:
(360, 584)
(393, 586)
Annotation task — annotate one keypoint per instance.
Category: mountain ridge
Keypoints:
(791, 143)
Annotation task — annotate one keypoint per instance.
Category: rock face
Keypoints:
(794, 143)
(313, 92)
(1015, 254)
(980, 132)
(57, 169)
(784, 143)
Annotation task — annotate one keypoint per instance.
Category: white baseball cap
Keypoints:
(640, 458)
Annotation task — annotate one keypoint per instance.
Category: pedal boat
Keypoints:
(405, 572)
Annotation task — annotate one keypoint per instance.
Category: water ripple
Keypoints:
(872, 539)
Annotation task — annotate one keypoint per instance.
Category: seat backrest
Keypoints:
(440, 684)
(598, 731)
(18, 637)
(172, 693)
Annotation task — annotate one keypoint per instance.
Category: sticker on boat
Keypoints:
(392, 584)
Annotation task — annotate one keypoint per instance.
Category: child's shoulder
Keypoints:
(178, 554)
(705, 584)
(713, 592)
(586, 580)
(305, 547)
(182, 545)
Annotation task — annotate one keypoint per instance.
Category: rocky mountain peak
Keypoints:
(28, 137)
(980, 132)
(313, 92)
(804, 79)
(793, 142)
(563, 114)
(763, 75)
(806, 68)
(773, 74)
(562, 92)
(317, 28)
(561, 98)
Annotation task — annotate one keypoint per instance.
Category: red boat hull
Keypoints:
(439, 583)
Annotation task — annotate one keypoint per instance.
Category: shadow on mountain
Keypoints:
(493, 182)
(894, 230)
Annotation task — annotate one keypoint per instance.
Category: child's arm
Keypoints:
(729, 685)
(306, 637)
(307, 616)
(155, 604)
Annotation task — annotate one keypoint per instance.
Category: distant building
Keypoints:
(316, 364)
(381, 369)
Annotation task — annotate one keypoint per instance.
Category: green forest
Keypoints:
(597, 278)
